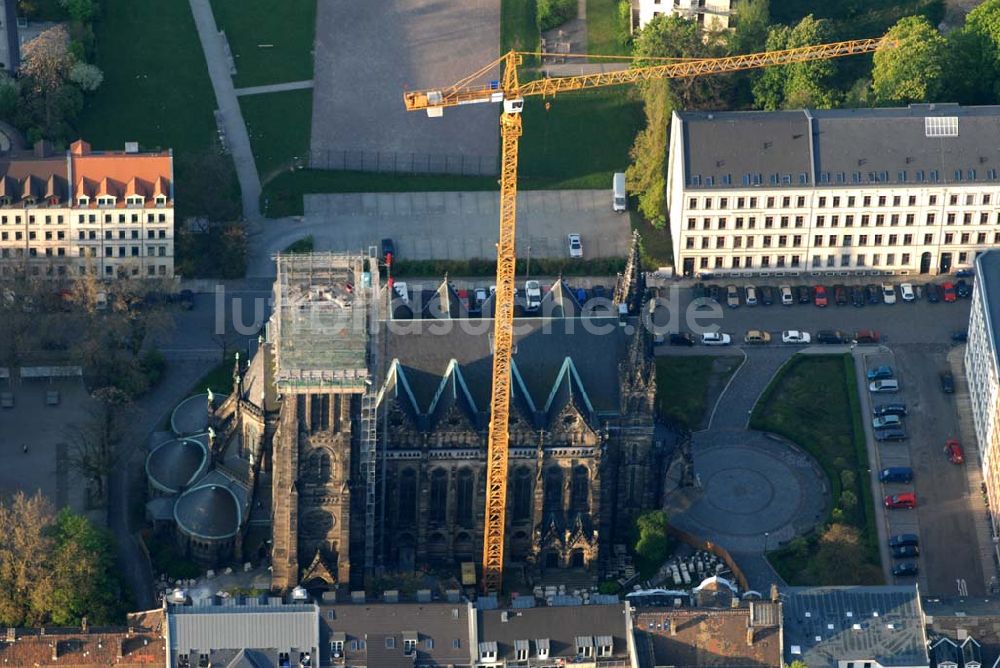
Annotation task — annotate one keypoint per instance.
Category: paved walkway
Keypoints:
(237, 138)
(274, 88)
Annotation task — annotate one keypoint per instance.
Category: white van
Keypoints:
(620, 202)
(884, 385)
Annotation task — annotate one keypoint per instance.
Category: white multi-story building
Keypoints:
(106, 214)
(710, 14)
(982, 368)
(896, 191)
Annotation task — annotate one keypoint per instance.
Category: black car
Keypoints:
(681, 339)
(890, 434)
(714, 293)
(186, 299)
(960, 336)
(858, 296)
(698, 291)
(889, 409)
(874, 294)
(766, 295)
(932, 292)
(947, 382)
(899, 540)
(803, 294)
(831, 336)
(963, 289)
(598, 292)
(905, 552)
(388, 250)
(966, 272)
(907, 568)
(840, 295)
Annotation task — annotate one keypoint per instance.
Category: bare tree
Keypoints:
(94, 446)
(46, 61)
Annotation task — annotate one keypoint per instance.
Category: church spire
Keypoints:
(631, 284)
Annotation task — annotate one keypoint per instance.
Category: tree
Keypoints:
(553, 13)
(652, 545)
(798, 663)
(93, 450)
(751, 19)
(83, 582)
(79, 10)
(647, 173)
(805, 84)
(675, 37)
(46, 60)
(87, 77)
(914, 70)
(24, 550)
(971, 70)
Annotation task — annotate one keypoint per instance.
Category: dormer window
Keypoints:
(542, 645)
(29, 200)
(488, 651)
(83, 200)
(5, 201)
(585, 646)
(521, 650)
(161, 200)
(409, 642)
(105, 201)
(134, 200)
(605, 645)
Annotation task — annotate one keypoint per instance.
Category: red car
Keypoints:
(819, 296)
(905, 500)
(954, 450)
(949, 292)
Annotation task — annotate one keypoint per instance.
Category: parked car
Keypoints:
(907, 500)
(966, 272)
(947, 382)
(888, 293)
(873, 293)
(899, 540)
(885, 421)
(907, 293)
(716, 339)
(478, 299)
(890, 434)
(932, 292)
(402, 291)
(858, 296)
(900, 474)
(803, 294)
(949, 294)
(599, 292)
(905, 569)
(787, 299)
(884, 371)
(186, 298)
(830, 336)
(963, 289)
(954, 451)
(756, 336)
(575, 246)
(681, 339)
(840, 295)
(732, 296)
(889, 409)
(751, 296)
(960, 336)
(795, 336)
(864, 336)
(820, 296)
(884, 386)
(905, 552)
(533, 294)
(699, 291)
(714, 292)
(766, 295)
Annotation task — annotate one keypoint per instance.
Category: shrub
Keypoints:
(554, 13)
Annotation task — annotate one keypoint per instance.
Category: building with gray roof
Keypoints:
(756, 191)
(263, 633)
(982, 368)
(830, 627)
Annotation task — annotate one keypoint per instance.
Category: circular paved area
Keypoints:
(751, 484)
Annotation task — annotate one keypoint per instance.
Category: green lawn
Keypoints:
(270, 42)
(161, 97)
(682, 385)
(656, 246)
(518, 26)
(581, 140)
(279, 125)
(813, 402)
(603, 35)
(219, 379)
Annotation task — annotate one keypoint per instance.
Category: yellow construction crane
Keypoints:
(478, 87)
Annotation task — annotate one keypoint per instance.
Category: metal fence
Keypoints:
(404, 163)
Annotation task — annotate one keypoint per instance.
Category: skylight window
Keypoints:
(941, 126)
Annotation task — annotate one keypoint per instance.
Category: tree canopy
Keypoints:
(914, 70)
(652, 545)
(807, 84)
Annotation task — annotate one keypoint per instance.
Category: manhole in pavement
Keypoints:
(739, 491)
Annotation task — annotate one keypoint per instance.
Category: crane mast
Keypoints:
(511, 93)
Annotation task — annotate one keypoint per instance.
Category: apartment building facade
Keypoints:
(858, 191)
(982, 368)
(106, 214)
(710, 14)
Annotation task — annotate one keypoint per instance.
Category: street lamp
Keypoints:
(527, 264)
(766, 534)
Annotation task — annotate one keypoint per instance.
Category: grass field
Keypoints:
(602, 29)
(518, 26)
(682, 385)
(270, 42)
(813, 402)
(279, 126)
(581, 140)
(657, 250)
(161, 97)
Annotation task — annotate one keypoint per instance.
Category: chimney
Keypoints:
(121, 647)
(673, 627)
(55, 650)
(749, 636)
(734, 602)
(41, 631)
(79, 147)
(11, 634)
(84, 627)
(774, 593)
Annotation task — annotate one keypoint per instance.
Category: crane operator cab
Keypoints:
(514, 106)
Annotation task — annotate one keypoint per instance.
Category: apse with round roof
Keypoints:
(209, 512)
(175, 464)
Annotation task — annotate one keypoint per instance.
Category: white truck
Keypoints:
(620, 201)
